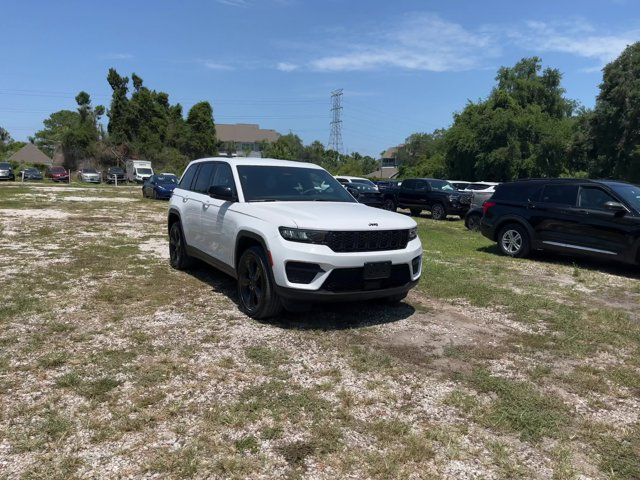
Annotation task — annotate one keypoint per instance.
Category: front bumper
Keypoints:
(283, 251)
(164, 194)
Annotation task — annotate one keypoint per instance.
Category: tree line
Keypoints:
(526, 127)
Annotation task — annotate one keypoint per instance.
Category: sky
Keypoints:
(404, 66)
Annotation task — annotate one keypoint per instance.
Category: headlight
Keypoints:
(413, 233)
(301, 235)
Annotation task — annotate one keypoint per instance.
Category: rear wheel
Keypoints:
(415, 211)
(389, 204)
(256, 292)
(472, 222)
(513, 241)
(178, 257)
(437, 212)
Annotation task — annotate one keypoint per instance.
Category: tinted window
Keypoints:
(165, 179)
(294, 184)
(408, 184)
(478, 186)
(421, 186)
(364, 182)
(518, 192)
(560, 194)
(204, 178)
(594, 198)
(630, 193)
(224, 177)
(187, 177)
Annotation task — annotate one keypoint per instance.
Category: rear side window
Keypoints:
(187, 178)
(518, 192)
(560, 194)
(204, 178)
(408, 184)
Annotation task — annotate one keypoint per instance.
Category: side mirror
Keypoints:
(615, 207)
(222, 192)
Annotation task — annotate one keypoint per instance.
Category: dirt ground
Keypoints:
(113, 365)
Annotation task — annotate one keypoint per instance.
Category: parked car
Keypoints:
(345, 180)
(115, 174)
(89, 175)
(30, 173)
(365, 194)
(159, 186)
(481, 192)
(437, 196)
(384, 184)
(290, 234)
(459, 184)
(57, 174)
(473, 218)
(598, 218)
(6, 171)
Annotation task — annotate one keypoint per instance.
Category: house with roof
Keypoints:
(389, 164)
(30, 155)
(245, 137)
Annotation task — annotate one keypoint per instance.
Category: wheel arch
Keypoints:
(517, 220)
(244, 240)
(172, 217)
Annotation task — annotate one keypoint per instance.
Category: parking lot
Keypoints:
(112, 364)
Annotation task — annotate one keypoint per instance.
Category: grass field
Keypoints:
(114, 365)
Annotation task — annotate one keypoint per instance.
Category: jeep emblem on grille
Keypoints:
(373, 224)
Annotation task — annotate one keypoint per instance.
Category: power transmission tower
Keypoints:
(335, 138)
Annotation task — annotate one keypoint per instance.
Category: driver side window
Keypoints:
(224, 177)
(593, 198)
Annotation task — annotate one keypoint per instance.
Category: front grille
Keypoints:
(367, 241)
(352, 279)
(465, 198)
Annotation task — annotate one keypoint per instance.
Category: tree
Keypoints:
(119, 110)
(287, 147)
(201, 131)
(423, 155)
(615, 124)
(55, 129)
(523, 129)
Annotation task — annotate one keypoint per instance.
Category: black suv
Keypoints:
(437, 196)
(599, 218)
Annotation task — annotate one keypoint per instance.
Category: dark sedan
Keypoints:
(31, 174)
(366, 194)
(115, 175)
(159, 186)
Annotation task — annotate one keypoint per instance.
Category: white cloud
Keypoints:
(422, 42)
(212, 65)
(235, 3)
(576, 37)
(118, 56)
(286, 66)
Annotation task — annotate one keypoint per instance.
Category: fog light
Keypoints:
(301, 272)
(415, 264)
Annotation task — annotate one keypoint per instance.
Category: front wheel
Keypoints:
(389, 204)
(437, 212)
(256, 292)
(178, 257)
(513, 241)
(472, 222)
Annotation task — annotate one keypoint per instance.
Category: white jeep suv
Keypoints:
(290, 234)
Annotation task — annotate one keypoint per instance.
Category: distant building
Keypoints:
(388, 164)
(30, 155)
(246, 137)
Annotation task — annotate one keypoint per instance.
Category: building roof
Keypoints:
(383, 172)
(244, 133)
(30, 154)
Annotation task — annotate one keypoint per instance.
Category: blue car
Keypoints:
(159, 186)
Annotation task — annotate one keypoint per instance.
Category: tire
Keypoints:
(154, 195)
(389, 205)
(438, 212)
(178, 256)
(415, 211)
(513, 241)
(256, 294)
(472, 222)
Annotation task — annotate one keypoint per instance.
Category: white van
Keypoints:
(138, 170)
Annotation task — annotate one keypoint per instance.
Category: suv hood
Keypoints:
(328, 216)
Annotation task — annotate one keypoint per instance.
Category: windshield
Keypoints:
(144, 171)
(363, 187)
(58, 170)
(290, 184)
(630, 193)
(363, 182)
(116, 170)
(89, 170)
(5, 165)
(167, 179)
(441, 185)
(31, 170)
(478, 186)
(460, 185)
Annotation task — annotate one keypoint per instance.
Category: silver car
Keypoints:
(89, 175)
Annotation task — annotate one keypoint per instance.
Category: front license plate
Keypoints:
(377, 270)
